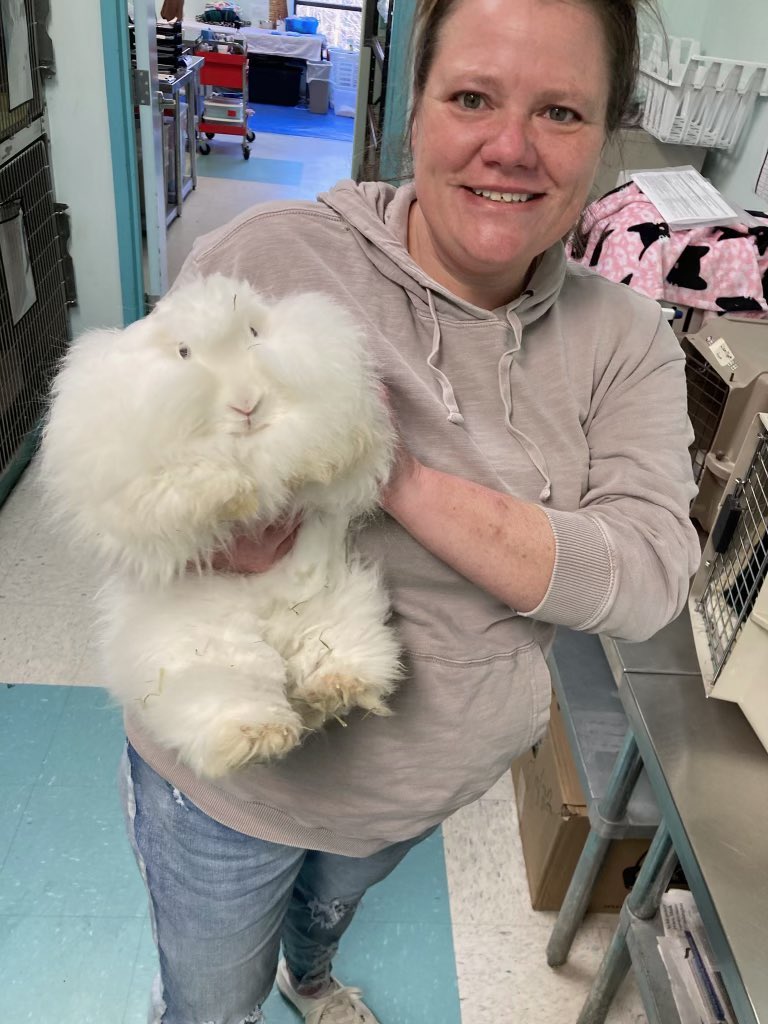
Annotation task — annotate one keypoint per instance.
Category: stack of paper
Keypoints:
(697, 985)
(684, 198)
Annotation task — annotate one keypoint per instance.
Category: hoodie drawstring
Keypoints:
(528, 445)
(446, 388)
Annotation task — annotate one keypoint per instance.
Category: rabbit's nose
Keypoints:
(246, 412)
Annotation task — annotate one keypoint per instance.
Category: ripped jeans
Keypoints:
(222, 902)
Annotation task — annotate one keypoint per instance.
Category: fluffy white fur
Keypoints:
(150, 465)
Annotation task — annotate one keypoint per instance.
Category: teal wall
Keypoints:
(736, 29)
(739, 29)
(684, 17)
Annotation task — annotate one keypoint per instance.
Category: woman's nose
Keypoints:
(510, 142)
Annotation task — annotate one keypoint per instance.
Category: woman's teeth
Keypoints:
(504, 197)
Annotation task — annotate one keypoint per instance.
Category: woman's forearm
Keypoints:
(504, 545)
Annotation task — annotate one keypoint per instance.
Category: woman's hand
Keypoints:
(258, 552)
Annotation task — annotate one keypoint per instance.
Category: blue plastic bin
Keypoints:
(306, 25)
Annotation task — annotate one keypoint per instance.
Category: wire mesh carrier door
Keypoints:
(33, 310)
(726, 369)
(729, 596)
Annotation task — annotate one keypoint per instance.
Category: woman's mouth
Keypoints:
(504, 197)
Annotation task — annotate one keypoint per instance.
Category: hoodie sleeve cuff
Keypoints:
(583, 577)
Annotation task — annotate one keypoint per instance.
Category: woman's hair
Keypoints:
(619, 19)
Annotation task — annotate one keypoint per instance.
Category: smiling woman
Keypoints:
(542, 478)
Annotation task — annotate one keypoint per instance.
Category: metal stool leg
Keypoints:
(611, 809)
(642, 902)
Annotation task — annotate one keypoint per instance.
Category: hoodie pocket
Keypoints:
(473, 718)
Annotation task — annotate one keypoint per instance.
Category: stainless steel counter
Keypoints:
(671, 650)
(709, 773)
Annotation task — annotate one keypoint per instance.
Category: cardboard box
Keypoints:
(554, 826)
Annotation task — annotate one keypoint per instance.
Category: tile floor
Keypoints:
(289, 168)
(451, 932)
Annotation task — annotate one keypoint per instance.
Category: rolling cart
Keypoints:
(224, 113)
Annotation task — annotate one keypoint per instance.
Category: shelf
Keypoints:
(596, 724)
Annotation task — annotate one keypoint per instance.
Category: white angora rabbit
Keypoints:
(221, 412)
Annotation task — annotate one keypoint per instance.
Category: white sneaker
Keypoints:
(341, 1005)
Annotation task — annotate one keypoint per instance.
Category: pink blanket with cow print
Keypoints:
(715, 268)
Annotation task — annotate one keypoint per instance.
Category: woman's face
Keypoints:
(506, 139)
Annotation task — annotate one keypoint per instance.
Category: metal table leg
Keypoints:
(191, 91)
(642, 903)
(610, 812)
(179, 151)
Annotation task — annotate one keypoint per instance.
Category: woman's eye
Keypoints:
(562, 115)
(184, 351)
(470, 100)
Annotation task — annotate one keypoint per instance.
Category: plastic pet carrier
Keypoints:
(726, 367)
(729, 596)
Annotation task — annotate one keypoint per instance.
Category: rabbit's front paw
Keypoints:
(332, 691)
(231, 740)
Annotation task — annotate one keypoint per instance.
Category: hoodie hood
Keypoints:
(377, 213)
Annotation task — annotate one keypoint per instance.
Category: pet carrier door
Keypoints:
(726, 368)
(729, 596)
(21, 95)
(33, 317)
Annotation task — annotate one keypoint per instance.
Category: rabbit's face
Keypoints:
(284, 385)
(216, 382)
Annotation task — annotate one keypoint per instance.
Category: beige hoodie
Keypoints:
(572, 396)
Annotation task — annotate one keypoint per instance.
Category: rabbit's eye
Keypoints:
(184, 351)
(254, 332)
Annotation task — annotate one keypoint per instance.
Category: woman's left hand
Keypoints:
(256, 553)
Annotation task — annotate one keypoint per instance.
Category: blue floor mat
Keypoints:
(225, 161)
(75, 940)
(300, 121)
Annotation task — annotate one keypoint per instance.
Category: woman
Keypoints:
(544, 479)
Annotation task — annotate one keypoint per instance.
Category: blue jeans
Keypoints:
(222, 902)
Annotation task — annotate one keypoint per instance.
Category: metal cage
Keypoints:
(33, 304)
(736, 574)
(21, 92)
(707, 394)
(728, 602)
(726, 368)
